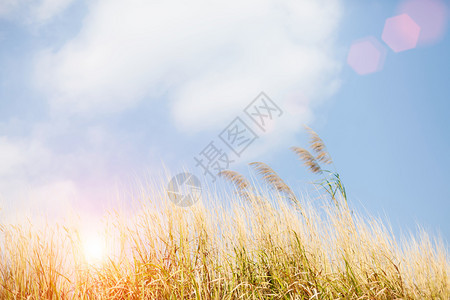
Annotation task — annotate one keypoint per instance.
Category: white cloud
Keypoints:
(210, 58)
(32, 11)
(46, 9)
(11, 156)
(21, 161)
(7, 6)
(37, 176)
(54, 199)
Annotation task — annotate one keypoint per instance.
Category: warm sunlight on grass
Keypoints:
(259, 246)
(249, 243)
(93, 248)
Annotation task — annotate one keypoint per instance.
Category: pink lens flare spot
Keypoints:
(366, 56)
(401, 33)
(430, 15)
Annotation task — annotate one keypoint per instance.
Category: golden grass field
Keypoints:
(258, 242)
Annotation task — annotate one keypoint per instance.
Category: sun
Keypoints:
(94, 248)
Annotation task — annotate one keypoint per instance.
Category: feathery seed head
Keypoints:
(318, 146)
(308, 159)
(272, 179)
(239, 181)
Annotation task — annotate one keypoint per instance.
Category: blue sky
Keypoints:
(94, 94)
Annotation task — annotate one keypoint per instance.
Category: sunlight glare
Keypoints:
(93, 248)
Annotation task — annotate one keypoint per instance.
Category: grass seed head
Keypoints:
(318, 146)
(308, 159)
(238, 180)
(272, 179)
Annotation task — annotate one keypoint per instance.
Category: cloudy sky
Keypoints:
(94, 94)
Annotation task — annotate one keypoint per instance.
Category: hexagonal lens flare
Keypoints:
(401, 33)
(430, 15)
(366, 56)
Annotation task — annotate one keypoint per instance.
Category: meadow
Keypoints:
(252, 241)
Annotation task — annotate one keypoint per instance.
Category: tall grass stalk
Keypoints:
(249, 249)
(251, 244)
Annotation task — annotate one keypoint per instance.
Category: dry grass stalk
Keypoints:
(214, 252)
(319, 147)
(245, 251)
(308, 159)
(239, 181)
(272, 179)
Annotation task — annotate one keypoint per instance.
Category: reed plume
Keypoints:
(238, 180)
(217, 251)
(308, 159)
(273, 180)
(318, 146)
(332, 182)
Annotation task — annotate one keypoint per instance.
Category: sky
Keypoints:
(95, 95)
